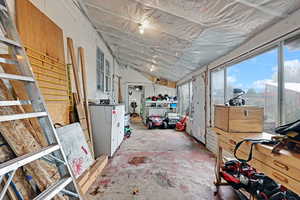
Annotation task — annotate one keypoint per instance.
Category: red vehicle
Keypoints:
(155, 121)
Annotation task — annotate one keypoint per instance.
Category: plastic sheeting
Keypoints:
(182, 35)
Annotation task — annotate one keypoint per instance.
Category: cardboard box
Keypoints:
(239, 119)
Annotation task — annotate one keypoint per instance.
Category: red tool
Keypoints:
(181, 125)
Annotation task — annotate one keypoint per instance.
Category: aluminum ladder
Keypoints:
(52, 152)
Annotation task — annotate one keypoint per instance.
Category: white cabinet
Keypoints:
(108, 128)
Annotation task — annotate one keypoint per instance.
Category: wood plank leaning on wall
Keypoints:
(82, 115)
(44, 44)
(85, 92)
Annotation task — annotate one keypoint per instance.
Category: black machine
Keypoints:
(237, 99)
(241, 175)
(134, 105)
(170, 120)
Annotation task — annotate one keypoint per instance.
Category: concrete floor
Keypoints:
(158, 165)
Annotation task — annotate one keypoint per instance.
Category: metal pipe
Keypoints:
(72, 194)
(7, 184)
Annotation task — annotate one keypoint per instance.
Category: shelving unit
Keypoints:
(157, 108)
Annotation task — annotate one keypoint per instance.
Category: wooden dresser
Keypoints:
(283, 168)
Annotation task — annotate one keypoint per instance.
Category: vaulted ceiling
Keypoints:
(180, 36)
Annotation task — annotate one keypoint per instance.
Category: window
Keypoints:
(217, 90)
(100, 69)
(257, 76)
(107, 76)
(291, 102)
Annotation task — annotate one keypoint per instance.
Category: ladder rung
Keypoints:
(3, 7)
(16, 77)
(8, 61)
(4, 118)
(25, 159)
(9, 42)
(14, 103)
(53, 190)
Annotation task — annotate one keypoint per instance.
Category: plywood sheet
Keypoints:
(44, 44)
(75, 147)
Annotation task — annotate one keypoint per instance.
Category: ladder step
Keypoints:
(5, 118)
(25, 159)
(16, 77)
(8, 61)
(53, 190)
(14, 103)
(9, 42)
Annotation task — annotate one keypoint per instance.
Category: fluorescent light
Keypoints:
(141, 29)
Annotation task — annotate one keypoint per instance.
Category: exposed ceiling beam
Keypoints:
(140, 44)
(158, 60)
(157, 73)
(157, 65)
(135, 21)
(258, 7)
(139, 37)
(170, 12)
(141, 66)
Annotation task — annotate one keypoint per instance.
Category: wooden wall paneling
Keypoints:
(44, 44)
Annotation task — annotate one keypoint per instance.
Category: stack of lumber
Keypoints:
(81, 101)
(90, 176)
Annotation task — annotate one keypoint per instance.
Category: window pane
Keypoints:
(291, 107)
(100, 70)
(257, 76)
(217, 90)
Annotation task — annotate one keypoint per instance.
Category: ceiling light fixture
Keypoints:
(141, 29)
(152, 68)
(143, 25)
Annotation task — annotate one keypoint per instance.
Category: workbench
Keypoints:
(283, 168)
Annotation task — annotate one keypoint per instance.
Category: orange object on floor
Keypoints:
(181, 125)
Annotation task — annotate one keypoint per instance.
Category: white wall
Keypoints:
(75, 25)
(133, 77)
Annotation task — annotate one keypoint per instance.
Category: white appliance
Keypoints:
(108, 128)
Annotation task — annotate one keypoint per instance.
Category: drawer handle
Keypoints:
(281, 165)
(232, 142)
(280, 177)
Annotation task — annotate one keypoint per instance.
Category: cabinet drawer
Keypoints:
(277, 176)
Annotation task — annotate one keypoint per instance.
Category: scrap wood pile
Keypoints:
(22, 137)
